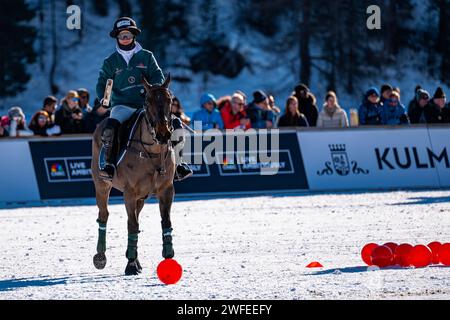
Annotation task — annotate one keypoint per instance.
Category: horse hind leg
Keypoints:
(102, 195)
(165, 204)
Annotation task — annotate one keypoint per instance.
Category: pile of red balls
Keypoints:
(406, 255)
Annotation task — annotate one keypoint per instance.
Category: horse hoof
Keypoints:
(132, 268)
(100, 261)
(168, 252)
(139, 267)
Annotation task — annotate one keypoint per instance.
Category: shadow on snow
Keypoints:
(423, 201)
(361, 269)
(13, 284)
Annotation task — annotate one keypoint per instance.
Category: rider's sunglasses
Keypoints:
(75, 99)
(125, 36)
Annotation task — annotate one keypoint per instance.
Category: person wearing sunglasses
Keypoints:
(84, 100)
(40, 124)
(233, 113)
(416, 112)
(126, 66)
(69, 117)
(393, 112)
(15, 123)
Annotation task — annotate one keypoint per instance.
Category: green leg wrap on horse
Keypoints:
(168, 251)
(132, 246)
(101, 244)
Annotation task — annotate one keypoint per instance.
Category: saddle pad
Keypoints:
(125, 135)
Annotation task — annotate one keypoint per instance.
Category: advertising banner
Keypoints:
(63, 166)
(370, 159)
(18, 182)
(440, 155)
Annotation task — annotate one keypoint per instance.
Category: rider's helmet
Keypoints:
(124, 23)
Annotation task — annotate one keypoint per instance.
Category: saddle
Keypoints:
(124, 136)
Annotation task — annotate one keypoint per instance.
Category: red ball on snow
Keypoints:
(169, 271)
(382, 256)
(391, 245)
(444, 254)
(435, 246)
(421, 256)
(402, 255)
(366, 252)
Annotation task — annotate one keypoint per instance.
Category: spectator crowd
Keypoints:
(74, 114)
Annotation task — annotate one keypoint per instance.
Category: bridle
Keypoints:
(151, 126)
(151, 129)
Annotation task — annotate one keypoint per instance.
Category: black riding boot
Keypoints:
(183, 171)
(109, 140)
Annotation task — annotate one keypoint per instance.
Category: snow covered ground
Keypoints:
(230, 248)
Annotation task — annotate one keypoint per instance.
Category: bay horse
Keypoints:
(147, 168)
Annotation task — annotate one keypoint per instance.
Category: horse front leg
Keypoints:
(102, 195)
(165, 204)
(132, 205)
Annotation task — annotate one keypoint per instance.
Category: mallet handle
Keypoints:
(108, 92)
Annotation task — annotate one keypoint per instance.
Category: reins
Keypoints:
(144, 154)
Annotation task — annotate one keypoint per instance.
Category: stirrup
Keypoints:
(186, 172)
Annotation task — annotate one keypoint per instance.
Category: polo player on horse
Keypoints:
(126, 66)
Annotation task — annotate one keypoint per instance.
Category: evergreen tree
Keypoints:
(16, 51)
(101, 7)
(163, 22)
(153, 22)
(443, 41)
(396, 16)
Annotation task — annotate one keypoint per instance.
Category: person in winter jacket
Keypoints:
(15, 123)
(49, 105)
(208, 115)
(126, 66)
(307, 104)
(413, 102)
(233, 113)
(259, 112)
(292, 117)
(93, 118)
(416, 112)
(332, 115)
(370, 110)
(70, 116)
(84, 100)
(386, 90)
(393, 112)
(437, 111)
(40, 123)
(178, 110)
(3, 132)
(275, 109)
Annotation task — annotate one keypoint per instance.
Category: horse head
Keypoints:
(158, 100)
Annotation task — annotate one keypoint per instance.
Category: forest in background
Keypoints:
(320, 38)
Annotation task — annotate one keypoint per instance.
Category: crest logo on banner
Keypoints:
(340, 163)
